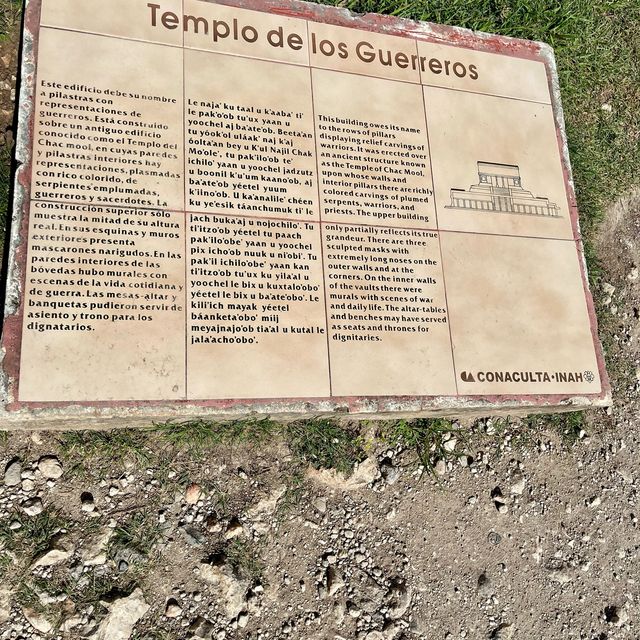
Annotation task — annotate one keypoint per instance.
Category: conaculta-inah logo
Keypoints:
(527, 376)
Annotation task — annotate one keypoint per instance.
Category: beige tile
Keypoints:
(246, 275)
(518, 305)
(388, 324)
(363, 52)
(104, 305)
(250, 147)
(242, 32)
(468, 70)
(93, 114)
(372, 146)
(513, 140)
(124, 18)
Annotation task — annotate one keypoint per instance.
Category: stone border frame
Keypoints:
(14, 413)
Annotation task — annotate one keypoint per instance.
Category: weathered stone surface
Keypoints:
(232, 589)
(32, 506)
(123, 615)
(50, 467)
(37, 620)
(94, 551)
(5, 604)
(12, 473)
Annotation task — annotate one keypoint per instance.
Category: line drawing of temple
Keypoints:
(500, 190)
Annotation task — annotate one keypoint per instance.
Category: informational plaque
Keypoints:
(282, 208)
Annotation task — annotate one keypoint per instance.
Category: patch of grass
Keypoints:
(155, 634)
(521, 437)
(566, 425)
(138, 534)
(202, 434)
(10, 11)
(86, 591)
(325, 444)
(5, 564)
(242, 557)
(21, 547)
(86, 450)
(34, 535)
(90, 588)
(26, 595)
(427, 439)
(296, 487)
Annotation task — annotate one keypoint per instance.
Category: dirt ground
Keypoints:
(525, 531)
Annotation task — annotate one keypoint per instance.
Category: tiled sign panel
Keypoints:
(234, 204)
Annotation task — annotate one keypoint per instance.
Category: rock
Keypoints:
(561, 577)
(192, 535)
(123, 615)
(94, 552)
(60, 550)
(320, 504)
(485, 589)
(243, 619)
(172, 608)
(12, 473)
(212, 524)
(193, 493)
(499, 500)
(450, 445)
(28, 485)
(87, 502)
(517, 488)
(398, 599)
(440, 468)
(230, 588)
(363, 475)
(608, 288)
(5, 604)
(260, 514)
(504, 631)
(50, 467)
(201, 628)
(374, 635)
(334, 580)
(32, 507)
(37, 620)
(494, 537)
(389, 472)
(71, 623)
(234, 529)
(616, 615)
(124, 557)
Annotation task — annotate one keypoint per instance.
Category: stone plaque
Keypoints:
(282, 208)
